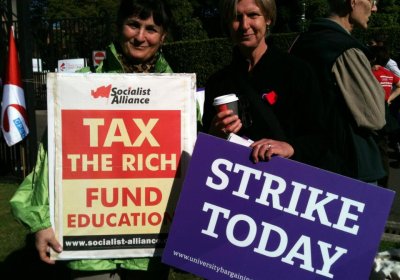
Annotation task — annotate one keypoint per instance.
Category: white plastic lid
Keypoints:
(224, 99)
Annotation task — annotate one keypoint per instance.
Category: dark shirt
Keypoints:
(352, 150)
(294, 117)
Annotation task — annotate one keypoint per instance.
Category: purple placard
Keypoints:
(273, 220)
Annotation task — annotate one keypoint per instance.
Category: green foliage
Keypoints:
(12, 234)
(184, 25)
(389, 6)
(316, 9)
(62, 9)
(387, 245)
(81, 8)
(387, 15)
(391, 36)
(383, 20)
(205, 57)
(290, 14)
(283, 41)
(187, 26)
(283, 20)
(202, 57)
(188, 49)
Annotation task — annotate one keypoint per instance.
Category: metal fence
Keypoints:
(51, 40)
(66, 39)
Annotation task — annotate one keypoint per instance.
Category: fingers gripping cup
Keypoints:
(226, 102)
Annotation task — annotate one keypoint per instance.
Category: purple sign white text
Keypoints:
(273, 220)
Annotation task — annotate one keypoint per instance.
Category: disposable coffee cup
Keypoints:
(226, 102)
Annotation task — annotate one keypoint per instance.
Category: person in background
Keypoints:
(278, 94)
(354, 99)
(142, 28)
(390, 64)
(389, 81)
(391, 84)
(382, 53)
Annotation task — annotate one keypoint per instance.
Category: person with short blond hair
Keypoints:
(278, 93)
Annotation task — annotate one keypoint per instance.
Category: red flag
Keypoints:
(14, 117)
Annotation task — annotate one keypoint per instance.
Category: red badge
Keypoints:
(271, 97)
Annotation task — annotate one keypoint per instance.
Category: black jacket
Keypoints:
(294, 117)
(320, 46)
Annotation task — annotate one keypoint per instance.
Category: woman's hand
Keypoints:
(264, 149)
(46, 239)
(224, 123)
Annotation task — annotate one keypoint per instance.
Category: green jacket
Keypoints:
(30, 203)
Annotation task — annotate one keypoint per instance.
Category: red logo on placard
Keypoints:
(103, 91)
